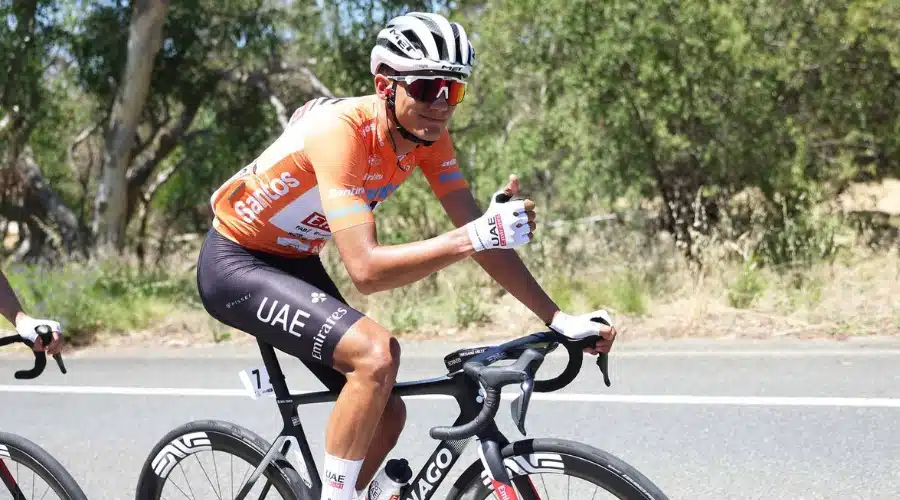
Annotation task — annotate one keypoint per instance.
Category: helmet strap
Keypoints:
(409, 136)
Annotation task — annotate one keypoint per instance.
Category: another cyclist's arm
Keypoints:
(10, 306)
(11, 309)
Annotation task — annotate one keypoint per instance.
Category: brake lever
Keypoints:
(47, 336)
(603, 357)
(603, 363)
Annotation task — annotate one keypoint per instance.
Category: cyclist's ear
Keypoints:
(383, 86)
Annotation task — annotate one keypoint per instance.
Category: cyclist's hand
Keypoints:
(507, 223)
(595, 323)
(25, 326)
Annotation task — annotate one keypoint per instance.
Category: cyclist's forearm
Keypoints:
(399, 265)
(9, 303)
(510, 272)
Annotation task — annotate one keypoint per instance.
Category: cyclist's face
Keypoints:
(424, 119)
(423, 106)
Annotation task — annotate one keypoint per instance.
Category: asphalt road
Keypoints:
(702, 420)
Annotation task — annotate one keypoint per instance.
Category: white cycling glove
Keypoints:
(25, 327)
(503, 225)
(579, 327)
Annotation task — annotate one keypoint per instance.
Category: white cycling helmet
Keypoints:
(420, 41)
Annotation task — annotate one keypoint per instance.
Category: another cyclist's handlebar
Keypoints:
(493, 378)
(40, 357)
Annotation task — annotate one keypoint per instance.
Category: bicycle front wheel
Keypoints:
(27, 471)
(213, 460)
(544, 469)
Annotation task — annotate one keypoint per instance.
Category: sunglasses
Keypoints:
(428, 89)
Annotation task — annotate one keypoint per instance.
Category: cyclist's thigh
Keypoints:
(315, 272)
(266, 297)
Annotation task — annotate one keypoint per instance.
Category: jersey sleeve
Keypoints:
(440, 168)
(338, 157)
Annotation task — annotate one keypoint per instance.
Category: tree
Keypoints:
(145, 39)
(27, 39)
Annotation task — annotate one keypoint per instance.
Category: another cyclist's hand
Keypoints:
(507, 223)
(25, 326)
(577, 327)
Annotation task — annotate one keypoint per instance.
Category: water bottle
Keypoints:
(389, 482)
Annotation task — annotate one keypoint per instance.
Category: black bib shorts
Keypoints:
(290, 303)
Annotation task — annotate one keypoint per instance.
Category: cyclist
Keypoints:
(322, 178)
(25, 324)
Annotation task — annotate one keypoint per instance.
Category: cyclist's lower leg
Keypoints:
(384, 440)
(369, 356)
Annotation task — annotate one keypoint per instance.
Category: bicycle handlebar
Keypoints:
(493, 378)
(40, 357)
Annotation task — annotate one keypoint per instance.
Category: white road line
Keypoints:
(557, 397)
(756, 354)
(626, 352)
(124, 391)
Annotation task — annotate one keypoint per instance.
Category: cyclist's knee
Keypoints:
(370, 352)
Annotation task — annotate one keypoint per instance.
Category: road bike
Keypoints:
(23, 463)
(505, 469)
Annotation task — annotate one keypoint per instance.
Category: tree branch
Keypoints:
(168, 141)
(315, 82)
(261, 81)
(81, 137)
(40, 195)
(144, 212)
(254, 77)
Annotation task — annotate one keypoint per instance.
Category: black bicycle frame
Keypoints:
(462, 388)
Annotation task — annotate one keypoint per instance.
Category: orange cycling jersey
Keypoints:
(327, 171)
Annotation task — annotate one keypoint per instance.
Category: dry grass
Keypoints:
(855, 295)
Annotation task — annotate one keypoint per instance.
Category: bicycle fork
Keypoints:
(492, 459)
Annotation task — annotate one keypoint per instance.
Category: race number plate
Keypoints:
(256, 381)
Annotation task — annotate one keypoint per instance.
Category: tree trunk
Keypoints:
(144, 41)
(144, 210)
(42, 199)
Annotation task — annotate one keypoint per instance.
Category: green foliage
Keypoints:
(106, 296)
(689, 102)
(342, 35)
(405, 318)
(749, 285)
(629, 294)
(30, 38)
(469, 307)
(798, 237)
